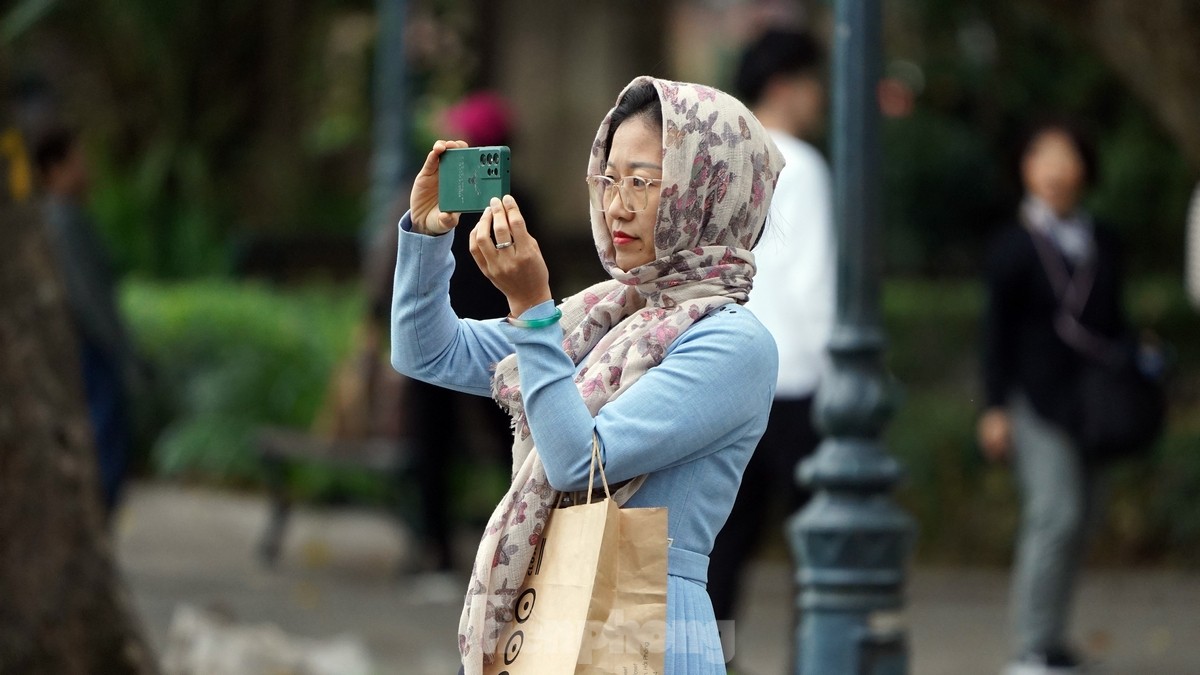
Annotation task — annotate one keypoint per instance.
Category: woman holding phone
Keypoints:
(660, 363)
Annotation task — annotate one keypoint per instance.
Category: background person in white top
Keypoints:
(780, 80)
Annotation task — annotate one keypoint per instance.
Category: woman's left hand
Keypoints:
(509, 257)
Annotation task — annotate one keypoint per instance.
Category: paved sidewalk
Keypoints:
(181, 545)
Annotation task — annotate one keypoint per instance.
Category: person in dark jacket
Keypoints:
(1029, 375)
(106, 351)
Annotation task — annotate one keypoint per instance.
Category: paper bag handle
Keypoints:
(592, 472)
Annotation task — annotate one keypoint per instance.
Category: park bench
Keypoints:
(279, 449)
(358, 427)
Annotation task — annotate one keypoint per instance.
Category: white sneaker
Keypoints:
(1041, 664)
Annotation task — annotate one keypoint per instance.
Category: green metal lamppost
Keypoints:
(391, 107)
(851, 541)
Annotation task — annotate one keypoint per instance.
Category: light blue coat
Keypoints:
(689, 424)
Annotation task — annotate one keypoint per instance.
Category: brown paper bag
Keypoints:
(594, 599)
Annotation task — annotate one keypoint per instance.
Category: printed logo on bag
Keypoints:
(621, 636)
(513, 649)
(579, 610)
(523, 608)
(535, 563)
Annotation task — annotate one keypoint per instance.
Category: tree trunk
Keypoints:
(62, 607)
(1154, 47)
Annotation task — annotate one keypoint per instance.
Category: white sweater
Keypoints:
(795, 285)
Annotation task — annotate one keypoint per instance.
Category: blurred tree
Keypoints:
(1154, 48)
(64, 610)
(205, 126)
(980, 72)
(223, 119)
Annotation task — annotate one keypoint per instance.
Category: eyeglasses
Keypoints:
(634, 191)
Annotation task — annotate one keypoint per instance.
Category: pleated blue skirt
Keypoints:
(693, 644)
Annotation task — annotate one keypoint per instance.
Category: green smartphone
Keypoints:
(468, 178)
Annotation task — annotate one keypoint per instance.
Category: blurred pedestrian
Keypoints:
(659, 365)
(779, 78)
(1193, 249)
(1031, 364)
(106, 352)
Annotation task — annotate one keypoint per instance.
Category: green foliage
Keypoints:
(235, 119)
(231, 357)
(212, 122)
(147, 228)
(1144, 190)
(940, 181)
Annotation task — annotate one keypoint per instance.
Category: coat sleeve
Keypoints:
(429, 341)
(709, 390)
(1003, 289)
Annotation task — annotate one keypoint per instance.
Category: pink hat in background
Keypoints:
(479, 119)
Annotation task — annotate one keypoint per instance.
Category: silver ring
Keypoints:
(504, 245)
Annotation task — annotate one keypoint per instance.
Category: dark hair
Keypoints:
(775, 52)
(1079, 137)
(640, 101)
(52, 149)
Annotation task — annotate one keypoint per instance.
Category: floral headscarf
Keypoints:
(719, 172)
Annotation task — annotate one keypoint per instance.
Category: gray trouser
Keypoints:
(1058, 504)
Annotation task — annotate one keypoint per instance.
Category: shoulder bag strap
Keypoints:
(1072, 292)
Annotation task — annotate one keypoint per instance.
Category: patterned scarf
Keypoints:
(719, 172)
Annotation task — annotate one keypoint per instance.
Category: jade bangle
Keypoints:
(537, 323)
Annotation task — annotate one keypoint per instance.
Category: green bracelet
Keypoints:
(537, 323)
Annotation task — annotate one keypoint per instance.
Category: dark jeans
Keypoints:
(107, 412)
(769, 479)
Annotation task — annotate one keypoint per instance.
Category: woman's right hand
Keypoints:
(995, 434)
(427, 218)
